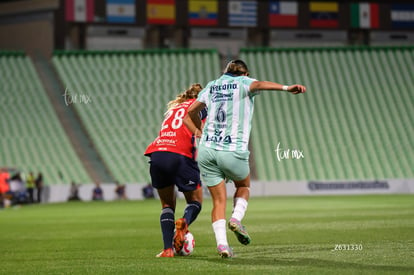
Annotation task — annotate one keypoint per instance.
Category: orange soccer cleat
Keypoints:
(181, 228)
(166, 253)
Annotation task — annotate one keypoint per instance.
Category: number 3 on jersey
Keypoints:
(176, 122)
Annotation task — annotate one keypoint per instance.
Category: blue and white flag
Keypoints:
(243, 13)
(120, 11)
(402, 16)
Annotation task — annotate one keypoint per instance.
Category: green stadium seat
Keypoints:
(32, 137)
(355, 122)
(130, 91)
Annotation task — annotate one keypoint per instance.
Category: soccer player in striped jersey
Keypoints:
(223, 150)
(172, 163)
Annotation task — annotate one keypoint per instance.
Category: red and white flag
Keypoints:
(79, 10)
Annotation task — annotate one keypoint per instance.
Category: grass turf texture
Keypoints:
(289, 235)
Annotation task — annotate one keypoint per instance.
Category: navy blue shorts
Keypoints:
(168, 169)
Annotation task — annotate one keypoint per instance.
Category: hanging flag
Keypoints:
(161, 12)
(324, 14)
(402, 16)
(79, 10)
(283, 14)
(365, 15)
(203, 12)
(120, 11)
(242, 13)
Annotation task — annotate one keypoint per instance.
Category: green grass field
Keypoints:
(296, 235)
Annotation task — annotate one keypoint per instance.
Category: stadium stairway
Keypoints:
(70, 121)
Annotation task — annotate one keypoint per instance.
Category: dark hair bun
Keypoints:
(236, 67)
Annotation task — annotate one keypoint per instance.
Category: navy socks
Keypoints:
(191, 211)
(167, 226)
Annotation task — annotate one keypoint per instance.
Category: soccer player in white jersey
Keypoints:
(223, 149)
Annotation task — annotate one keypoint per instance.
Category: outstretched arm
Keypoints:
(268, 85)
(192, 119)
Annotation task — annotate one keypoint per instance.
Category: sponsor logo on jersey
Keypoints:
(169, 141)
(221, 97)
(224, 87)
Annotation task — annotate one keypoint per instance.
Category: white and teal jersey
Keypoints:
(230, 109)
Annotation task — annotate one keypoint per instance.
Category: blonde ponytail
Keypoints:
(190, 93)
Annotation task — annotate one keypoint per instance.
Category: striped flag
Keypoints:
(79, 10)
(283, 14)
(243, 13)
(203, 12)
(120, 11)
(402, 16)
(161, 12)
(324, 14)
(365, 15)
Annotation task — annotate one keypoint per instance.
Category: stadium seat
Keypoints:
(130, 92)
(32, 138)
(354, 122)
